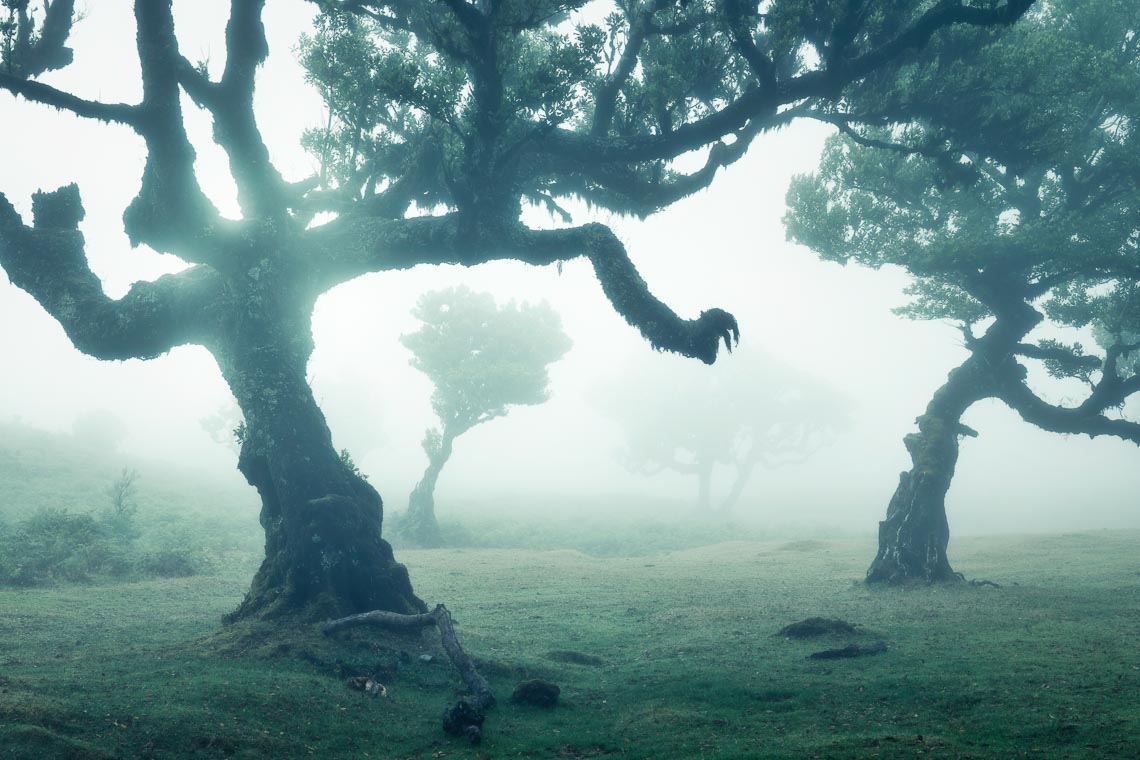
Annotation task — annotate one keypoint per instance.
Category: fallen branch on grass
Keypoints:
(464, 719)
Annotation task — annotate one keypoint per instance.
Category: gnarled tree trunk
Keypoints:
(419, 525)
(324, 555)
(915, 534)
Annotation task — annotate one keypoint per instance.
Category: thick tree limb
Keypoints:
(1085, 419)
(262, 192)
(742, 40)
(34, 54)
(1052, 353)
(605, 98)
(441, 619)
(38, 92)
(764, 102)
(353, 245)
(49, 261)
(170, 210)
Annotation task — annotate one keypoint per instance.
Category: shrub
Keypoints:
(54, 544)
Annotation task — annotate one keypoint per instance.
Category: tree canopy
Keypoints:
(482, 359)
(1007, 183)
(1017, 209)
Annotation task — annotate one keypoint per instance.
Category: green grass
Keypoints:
(687, 664)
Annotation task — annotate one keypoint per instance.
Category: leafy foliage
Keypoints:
(482, 358)
(1007, 182)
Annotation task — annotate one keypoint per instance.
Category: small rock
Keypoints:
(536, 692)
(426, 658)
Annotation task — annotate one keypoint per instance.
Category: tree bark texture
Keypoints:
(915, 534)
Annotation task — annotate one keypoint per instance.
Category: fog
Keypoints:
(724, 247)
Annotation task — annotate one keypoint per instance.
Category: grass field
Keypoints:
(670, 655)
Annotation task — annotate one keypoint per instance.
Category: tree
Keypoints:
(482, 360)
(119, 517)
(1010, 190)
(445, 116)
(755, 411)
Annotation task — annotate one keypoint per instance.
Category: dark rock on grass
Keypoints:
(536, 692)
(575, 658)
(817, 626)
(464, 720)
(851, 650)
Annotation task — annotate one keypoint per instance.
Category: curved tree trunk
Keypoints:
(915, 534)
(914, 537)
(419, 525)
(324, 556)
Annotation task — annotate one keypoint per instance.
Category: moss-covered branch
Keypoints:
(49, 261)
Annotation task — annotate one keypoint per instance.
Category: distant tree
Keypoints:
(445, 117)
(482, 360)
(753, 412)
(120, 514)
(1007, 183)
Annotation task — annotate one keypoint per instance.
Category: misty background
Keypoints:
(724, 247)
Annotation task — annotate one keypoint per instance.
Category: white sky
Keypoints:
(724, 247)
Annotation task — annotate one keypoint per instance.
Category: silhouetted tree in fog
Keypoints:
(753, 412)
(1007, 182)
(482, 359)
(445, 116)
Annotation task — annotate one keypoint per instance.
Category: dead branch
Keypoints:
(441, 619)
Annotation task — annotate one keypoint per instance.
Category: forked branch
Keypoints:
(49, 261)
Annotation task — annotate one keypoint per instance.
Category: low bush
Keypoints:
(56, 545)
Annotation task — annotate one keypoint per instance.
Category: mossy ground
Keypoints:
(679, 659)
